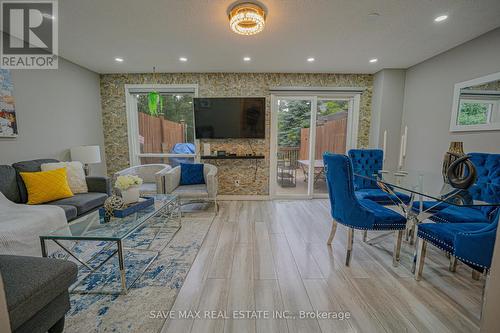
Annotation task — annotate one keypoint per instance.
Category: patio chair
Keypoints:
(287, 166)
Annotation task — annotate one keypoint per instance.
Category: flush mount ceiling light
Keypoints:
(247, 18)
(374, 60)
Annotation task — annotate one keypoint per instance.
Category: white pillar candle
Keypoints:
(401, 152)
(384, 147)
(404, 142)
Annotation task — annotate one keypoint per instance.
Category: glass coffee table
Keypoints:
(164, 213)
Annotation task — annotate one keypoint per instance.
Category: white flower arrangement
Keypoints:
(124, 182)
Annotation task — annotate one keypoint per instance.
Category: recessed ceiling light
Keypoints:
(374, 60)
(247, 58)
(441, 18)
(310, 59)
(183, 59)
(119, 59)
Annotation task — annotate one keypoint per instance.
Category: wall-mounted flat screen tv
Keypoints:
(230, 118)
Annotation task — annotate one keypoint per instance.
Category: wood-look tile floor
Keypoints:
(272, 256)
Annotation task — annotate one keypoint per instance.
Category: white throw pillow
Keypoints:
(76, 176)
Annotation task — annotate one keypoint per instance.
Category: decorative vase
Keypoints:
(455, 152)
(130, 195)
(111, 204)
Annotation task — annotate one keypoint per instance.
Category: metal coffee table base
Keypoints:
(121, 262)
(121, 259)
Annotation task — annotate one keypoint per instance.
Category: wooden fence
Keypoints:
(159, 134)
(330, 136)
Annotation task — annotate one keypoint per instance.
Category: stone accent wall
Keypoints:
(253, 175)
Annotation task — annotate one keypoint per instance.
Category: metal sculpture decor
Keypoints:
(461, 173)
(455, 151)
(461, 198)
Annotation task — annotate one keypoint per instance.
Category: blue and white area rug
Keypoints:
(156, 289)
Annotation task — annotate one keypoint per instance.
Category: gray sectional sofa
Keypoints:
(36, 292)
(12, 186)
(36, 289)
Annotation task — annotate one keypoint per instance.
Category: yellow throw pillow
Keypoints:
(46, 186)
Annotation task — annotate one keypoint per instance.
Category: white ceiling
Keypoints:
(338, 33)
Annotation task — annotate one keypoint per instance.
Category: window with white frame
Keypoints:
(476, 105)
(476, 111)
(161, 124)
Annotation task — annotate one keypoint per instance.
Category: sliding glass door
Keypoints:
(293, 124)
(331, 135)
(302, 129)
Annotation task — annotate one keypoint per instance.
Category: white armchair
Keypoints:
(152, 176)
(204, 192)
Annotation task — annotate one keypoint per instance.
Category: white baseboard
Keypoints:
(242, 197)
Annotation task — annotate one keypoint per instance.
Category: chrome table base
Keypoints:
(168, 213)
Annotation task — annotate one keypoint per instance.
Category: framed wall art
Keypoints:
(8, 120)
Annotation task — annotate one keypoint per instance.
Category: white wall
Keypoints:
(427, 108)
(56, 110)
(428, 99)
(387, 109)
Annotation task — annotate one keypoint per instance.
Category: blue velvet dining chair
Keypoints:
(485, 187)
(470, 243)
(369, 162)
(355, 213)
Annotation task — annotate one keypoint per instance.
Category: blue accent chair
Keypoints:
(485, 188)
(470, 243)
(355, 213)
(369, 162)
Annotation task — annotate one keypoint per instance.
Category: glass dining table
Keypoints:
(424, 185)
(428, 191)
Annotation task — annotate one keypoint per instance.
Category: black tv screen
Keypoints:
(224, 118)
